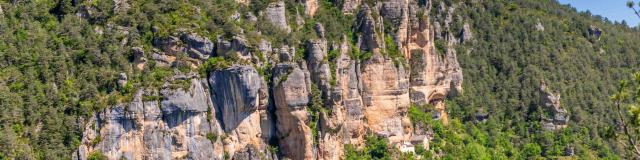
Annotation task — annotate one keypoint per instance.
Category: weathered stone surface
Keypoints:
(350, 6)
(235, 47)
(197, 46)
(252, 152)
(170, 45)
(244, 114)
(385, 94)
(434, 76)
(310, 7)
(291, 94)
(276, 14)
(163, 60)
(367, 25)
(551, 105)
(178, 101)
(145, 130)
(466, 33)
(240, 97)
(319, 30)
(235, 94)
(318, 66)
(139, 58)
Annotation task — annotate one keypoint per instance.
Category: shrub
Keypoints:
(96, 155)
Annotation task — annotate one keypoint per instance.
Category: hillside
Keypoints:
(310, 79)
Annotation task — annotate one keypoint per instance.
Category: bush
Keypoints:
(97, 155)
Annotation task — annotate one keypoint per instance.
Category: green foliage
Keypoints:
(315, 108)
(96, 140)
(213, 64)
(332, 57)
(375, 148)
(97, 155)
(212, 137)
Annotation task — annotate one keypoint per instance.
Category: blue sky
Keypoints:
(614, 10)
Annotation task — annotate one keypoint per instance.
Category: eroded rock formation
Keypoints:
(556, 116)
(243, 111)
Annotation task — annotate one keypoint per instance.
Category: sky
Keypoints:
(614, 10)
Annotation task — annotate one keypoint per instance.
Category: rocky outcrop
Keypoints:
(310, 7)
(276, 14)
(385, 94)
(245, 109)
(466, 34)
(162, 60)
(350, 6)
(369, 41)
(539, 26)
(291, 95)
(139, 59)
(235, 47)
(240, 96)
(318, 66)
(556, 116)
(172, 128)
(595, 32)
(434, 75)
(197, 47)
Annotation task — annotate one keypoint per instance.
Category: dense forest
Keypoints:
(60, 61)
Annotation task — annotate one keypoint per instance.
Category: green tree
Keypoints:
(627, 98)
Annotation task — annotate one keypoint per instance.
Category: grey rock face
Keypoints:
(197, 46)
(170, 45)
(319, 30)
(276, 14)
(153, 130)
(252, 152)
(551, 103)
(236, 46)
(162, 60)
(318, 67)
(285, 54)
(235, 92)
(466, 33)
(289, 77)
(393, 11)
(367, 26)
(291, 94)
(350, 6)
(194, 100)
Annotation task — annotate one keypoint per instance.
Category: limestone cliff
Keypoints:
(264, 98)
